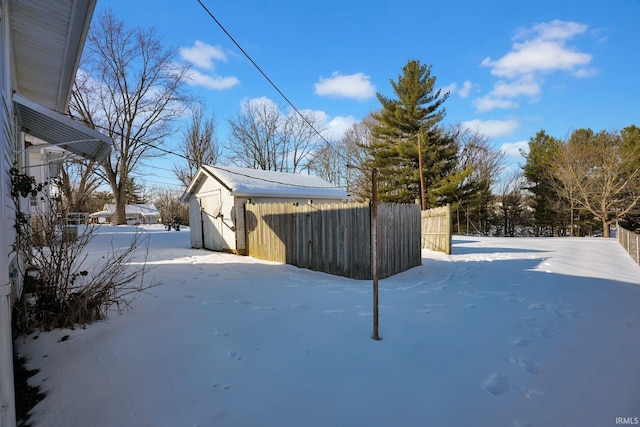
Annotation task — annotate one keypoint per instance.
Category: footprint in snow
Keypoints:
(521, 423)
(243, 302)
(527, 365)
(220, 333)
(543, 332)
(521, 342)
(216, 385)
(233, 354)
(213, 302)
(497, 384)
(300, 306)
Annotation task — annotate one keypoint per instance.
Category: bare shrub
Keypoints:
(61, 290)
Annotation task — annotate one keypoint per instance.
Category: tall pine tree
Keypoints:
(410, 119)
(548, 208)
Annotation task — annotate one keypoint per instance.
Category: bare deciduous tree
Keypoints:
(486, 164)
(511, 204)
(255, 142)
(263, 137)
(341, 163)
(130, 87)
(300, 140)
(78, 181)
(598, 174)
(199, 145)
(171, 210)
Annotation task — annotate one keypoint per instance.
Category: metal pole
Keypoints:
(375, 249)
(422, 196)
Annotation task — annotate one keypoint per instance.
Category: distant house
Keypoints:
(217, 196)
(135, 214)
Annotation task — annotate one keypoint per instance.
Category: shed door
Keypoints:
(211, 221)
(195, 223)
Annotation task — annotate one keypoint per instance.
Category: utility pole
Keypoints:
(375, 250)
(422, 198)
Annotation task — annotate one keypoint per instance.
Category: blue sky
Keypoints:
(512, 68)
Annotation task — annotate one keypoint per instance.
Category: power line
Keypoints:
(271, 82)
(291, 184)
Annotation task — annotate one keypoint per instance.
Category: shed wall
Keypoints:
(217, 217)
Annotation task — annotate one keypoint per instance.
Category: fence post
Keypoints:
(374, 243)
(449, 227)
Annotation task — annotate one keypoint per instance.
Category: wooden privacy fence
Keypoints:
(334, 238)
(436, 229)
(630, 241)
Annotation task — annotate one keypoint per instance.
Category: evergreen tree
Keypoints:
(404, 122)
(135, 193)
(538, 170)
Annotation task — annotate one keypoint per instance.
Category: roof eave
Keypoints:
(48, 39)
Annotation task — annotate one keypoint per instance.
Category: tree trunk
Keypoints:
(606, 225)
(119, 196)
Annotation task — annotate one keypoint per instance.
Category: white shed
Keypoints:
(217, 196)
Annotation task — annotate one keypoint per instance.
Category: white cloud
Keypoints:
(196, 78)
(505, 91)
(584, 73)
(488, 103)
(465, 91)
(492, 128)
(543, 50)
(332, 128)
(452, 88)
(338, 126)
(202, 54)
(268, 103)
(354, 86)
(554, 30)
(525, 85)
(536, 51)
(537, 56)
(515, 149)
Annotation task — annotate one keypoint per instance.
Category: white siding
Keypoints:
(8, 150)
(10, 280)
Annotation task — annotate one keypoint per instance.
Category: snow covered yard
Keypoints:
(504, 332)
